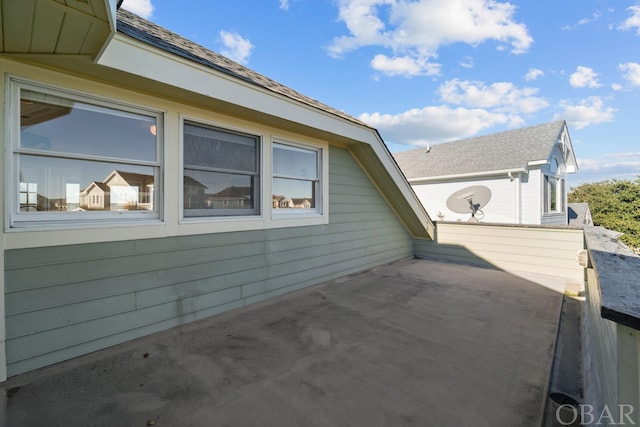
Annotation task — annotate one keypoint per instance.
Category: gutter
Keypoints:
(508, 172)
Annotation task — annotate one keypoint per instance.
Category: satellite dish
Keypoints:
(470, 200)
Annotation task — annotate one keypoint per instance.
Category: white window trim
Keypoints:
(236, 213)
(213, 224)
(561, 205)
(303, 217)
(169, 194)
(15, 221)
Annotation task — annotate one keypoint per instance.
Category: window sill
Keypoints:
(43, 235)
(298, 219)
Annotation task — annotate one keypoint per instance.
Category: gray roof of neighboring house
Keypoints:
(579, 214)
(502, 151)
(154, 35)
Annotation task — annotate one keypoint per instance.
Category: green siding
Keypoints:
(66, 301)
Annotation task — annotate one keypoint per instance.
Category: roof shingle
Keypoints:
(502, 151)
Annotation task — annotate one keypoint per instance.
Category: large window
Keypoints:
(221, 172)
(80, 159)
(296, 179)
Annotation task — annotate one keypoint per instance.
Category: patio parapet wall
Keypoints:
(546, 254)
(612, 325)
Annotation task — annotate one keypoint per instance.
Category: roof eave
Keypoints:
(483, 174)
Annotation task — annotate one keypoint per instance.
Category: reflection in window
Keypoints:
(221, 172)
(76, 156)
(59, 125)
(296, 179)
(28, 196)
(62, 185)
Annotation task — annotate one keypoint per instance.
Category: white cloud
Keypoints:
(533, 74)
(590, 111)
(584, 21)
(404, 66)
(435, 124)
(235, 47)
(618, 165)
(616, 86)
(142, 8)
(467, 62)
(631, 72)
(284, 4)
(621, 167)
(584, 77)
(499, 96)
(594, 17)
(633, 22)
(417, 29)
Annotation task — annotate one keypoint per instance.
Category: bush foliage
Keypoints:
(614, 205)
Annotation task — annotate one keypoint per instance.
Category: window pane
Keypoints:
(293, 193)
(52, 123)
(217, 149)
(59, 185)
(553, 197)
(215, 190)
(294, 161)
(561, 198)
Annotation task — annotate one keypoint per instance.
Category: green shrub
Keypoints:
(614, 205)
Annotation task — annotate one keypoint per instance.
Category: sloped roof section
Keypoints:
(244, 90)
(509, 150)
(154, 35)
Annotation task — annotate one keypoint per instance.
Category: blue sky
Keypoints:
(430, 71)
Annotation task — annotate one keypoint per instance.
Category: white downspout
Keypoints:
(516, 199)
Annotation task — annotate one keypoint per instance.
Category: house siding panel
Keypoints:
(517, 249)
(66, 301)
(531, 199)
(555, 219)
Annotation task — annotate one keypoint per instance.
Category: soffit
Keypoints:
(67, 27)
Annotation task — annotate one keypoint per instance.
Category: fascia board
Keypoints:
(112, 10)
(131, 56)
(538, 162)
(401, 182)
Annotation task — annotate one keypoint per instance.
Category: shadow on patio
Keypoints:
(417, 342)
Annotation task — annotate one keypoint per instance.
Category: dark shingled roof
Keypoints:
(507, 150)
(147, 32)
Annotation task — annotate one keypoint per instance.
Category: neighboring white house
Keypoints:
(524, 169)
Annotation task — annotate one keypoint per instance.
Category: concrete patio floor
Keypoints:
(415, 343)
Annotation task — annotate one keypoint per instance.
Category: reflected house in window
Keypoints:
(294, 202)
(230, 198)
(97, 196)
(119, 191)
(193, 193)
